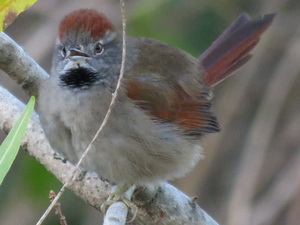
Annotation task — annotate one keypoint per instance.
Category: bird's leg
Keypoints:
(120, 193)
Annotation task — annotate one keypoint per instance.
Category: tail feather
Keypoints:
(231, 50)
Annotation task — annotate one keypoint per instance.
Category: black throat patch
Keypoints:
(81, 78)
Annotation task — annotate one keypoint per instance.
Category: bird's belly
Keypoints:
(134, 151)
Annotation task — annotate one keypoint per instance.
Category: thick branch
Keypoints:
(20, 66)
(164, 205)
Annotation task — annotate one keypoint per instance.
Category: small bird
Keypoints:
(164, 103)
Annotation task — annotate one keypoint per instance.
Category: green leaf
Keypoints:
(11, 144)
(10, 9)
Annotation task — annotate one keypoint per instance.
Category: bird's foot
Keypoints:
(120, 193)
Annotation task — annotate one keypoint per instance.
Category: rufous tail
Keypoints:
(231, 50)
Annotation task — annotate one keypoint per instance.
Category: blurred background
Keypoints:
(251, 170)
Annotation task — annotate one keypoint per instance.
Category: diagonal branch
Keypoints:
(20, 66)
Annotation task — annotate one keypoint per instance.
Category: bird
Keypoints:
(163, 108)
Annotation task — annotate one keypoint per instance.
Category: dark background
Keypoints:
(251, 172)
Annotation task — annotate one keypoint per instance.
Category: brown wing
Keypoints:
(192, 115)
(167, 83)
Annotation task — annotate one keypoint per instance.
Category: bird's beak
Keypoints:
(72, 53)
(75, 59)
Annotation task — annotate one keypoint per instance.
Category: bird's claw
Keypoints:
(119, 195)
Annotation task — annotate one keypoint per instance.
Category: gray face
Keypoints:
(81, 62)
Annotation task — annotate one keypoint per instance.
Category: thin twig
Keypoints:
(58, 212)
(118, 211)
(104, 122)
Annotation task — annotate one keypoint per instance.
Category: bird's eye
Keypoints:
(63, 51)
(98, 48)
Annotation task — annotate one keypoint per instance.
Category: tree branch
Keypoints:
(164, 204)
(19, 66)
